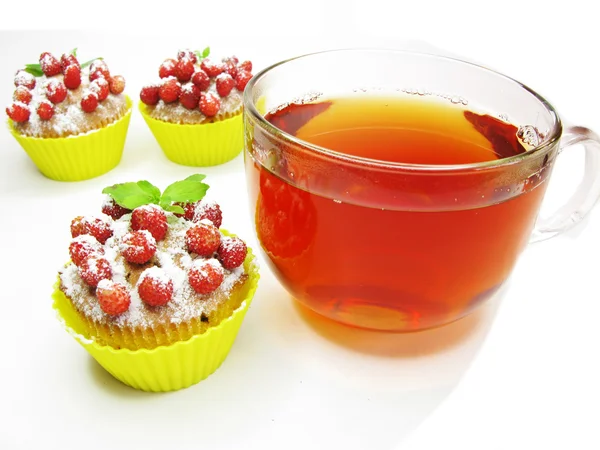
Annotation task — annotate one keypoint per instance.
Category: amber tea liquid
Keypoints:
(391, 251)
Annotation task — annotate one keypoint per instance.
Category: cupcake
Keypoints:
(195, 110)
(70, 118)
(155, 290)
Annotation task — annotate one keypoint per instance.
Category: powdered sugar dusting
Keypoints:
(170, 263)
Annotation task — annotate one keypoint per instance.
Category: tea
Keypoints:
(388, 249)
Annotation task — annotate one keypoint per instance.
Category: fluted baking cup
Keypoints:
(205, 144)
(79, 157)
(165, 368)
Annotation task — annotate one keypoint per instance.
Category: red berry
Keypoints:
(184, 69)
(232, 252)
(89, 102)
(22, 94)
(72, 77)
(169, 91)
(182, 54)
(149, 95)
(94, 269)
(211, 68)
(56, 91)
(114, 299)
(201, 79)
(241, 80)
(112, 209)
(190, 96)
(99, 66)
(117, 84)
(208, 210)
(189, 209)
(245, 66)
(209, 104)
(45, 110)
(50, 65)
(96, 74)
(155, 287)
(225, 84)
(203, 239)
(205, 275)
(101, 88)
(67, 60)
(98, 227)
(18, 112)
(83, 247)
(138, 247)
(151, 218)
(230, 65)
(167, 68)
(23, 78)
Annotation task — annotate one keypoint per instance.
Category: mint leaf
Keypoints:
(74, 52)
(174, 209)
(206, 52)
(185, 191)
(131, 195)
(196, 177)
(87, 63)
(34, 69)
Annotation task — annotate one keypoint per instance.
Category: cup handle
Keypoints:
(586, 194)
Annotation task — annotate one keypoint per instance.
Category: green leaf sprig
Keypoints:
(36, 69)
(134, 194)
(202, 54)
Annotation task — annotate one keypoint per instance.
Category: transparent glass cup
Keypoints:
(417, 246)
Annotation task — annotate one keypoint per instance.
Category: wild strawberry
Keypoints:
(89, 102)
(100, 87)
(112, 209)
(232, 252)
(155, 287)
(203, 238)
(100, 228)
(211, 68)
(169, 90)
(117, 84)
(167, 68)
(50, 65)
(190, 96)
(245, 66)
(56, 91)
(45, 110)
(99, 66)
(96, 75)
(83, 247)
(114, 298)
(149, 95)
(182, 54)
(138, 247)
(184, 69)
(241, 80)
(151, 218)
(225, 83)
(23, 95)
(23, 78)
(201, 79)
(205, 275)
(72, 77)
(94, 269)
(18, 112)
(209, 104)
(230, 65)
(67, 60)
(208, 210)
(189, 209)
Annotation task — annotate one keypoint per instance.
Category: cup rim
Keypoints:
(555, 134)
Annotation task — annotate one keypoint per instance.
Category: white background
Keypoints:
(521, 373)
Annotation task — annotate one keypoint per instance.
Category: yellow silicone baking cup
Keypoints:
(165, 368)
(80, 157)
(199, 145)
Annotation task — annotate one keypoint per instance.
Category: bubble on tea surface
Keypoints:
(503, 117)
(529, 136)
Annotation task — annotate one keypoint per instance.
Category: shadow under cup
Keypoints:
(384, 245)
